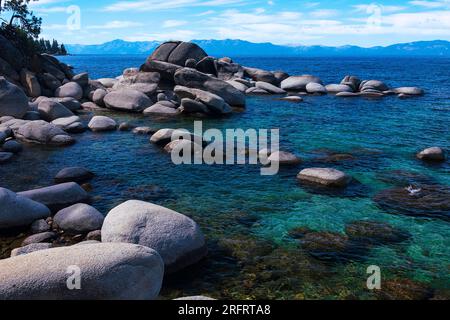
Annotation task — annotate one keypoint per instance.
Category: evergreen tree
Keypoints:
(63, 50)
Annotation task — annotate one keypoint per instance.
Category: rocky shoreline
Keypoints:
(126, 253)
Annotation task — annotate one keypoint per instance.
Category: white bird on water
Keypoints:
(412, 191)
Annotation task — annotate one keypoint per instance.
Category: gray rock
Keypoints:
(30, 83)
(94, 235)
(17, 211)
(160, 109)
(125, 126)
(107, 82)
(213, 102)
(163, 136)
(207, 65)
(12, 146)
(185, 51)
(71, 124)
(181, 145)
(256, 91)
(129, 72)
(70, 103)
(83, 243)
(5, 156)
(58, 197)
(238, 85)
(165, 69)
(50, 81)
(192, 106)
(90, 106)
(98, 96)
(108, 271)
(127, 100)
(227, 71)
(42, 132)
(79, 218)
(315, 88)
(32, 116)
(412, 91)
(102, 123)
(194, 79)
(298, 83)
(367, 85)
(11, 54)
(336, 88)
(324, 176)
(71, 89)
(177, 238)
(280, 76)
(269, 87)
(33, 247)
(351, 81)
(73, 174)
(82, 79)
(292, 99)
(13, 101)
(432, 154)
(347, 94)
(161, 97)
(8, 71)
(50, 110)
(39, 238)
(39, 226)
(190, 63)
(143, 130)
(261, 75)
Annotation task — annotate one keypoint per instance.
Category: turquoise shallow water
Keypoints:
(245, 216)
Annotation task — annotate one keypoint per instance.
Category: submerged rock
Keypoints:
(73, 174)
(177, 238)
(110, 271)
(429, 201)
(58, 196)
(284, 158)
(375, 232)
(17, 210)
(404, 289)
(324, 176)
(411, 91)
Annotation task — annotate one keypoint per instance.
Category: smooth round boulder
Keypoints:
(79, 218)
(18, 211)
(13, 101)
(177, 238)
(324, 176)
(127, 100)
(99, 96)
(109, 271)
(292, 99)
(48, 236)
(336, 88)
(73, 174)
(261, 75)
(102, 123)
(410, 91)
(50, 110)
(432, 154)
(39, 226)
(298, 83)
(368, 85)
(42, 132)
(269, 87)
(71, 124)
(351, 81)
(58, 196)
(32, 247)
(11, 146)
(71, 89)
(192, 106)
(82, 79)
(160, 109)
(315, 88)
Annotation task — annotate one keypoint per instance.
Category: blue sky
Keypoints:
(338, 22)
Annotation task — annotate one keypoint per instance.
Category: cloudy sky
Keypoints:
(337, 22)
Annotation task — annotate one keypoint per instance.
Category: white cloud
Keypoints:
(431, 4)
(324, 13)
(155, 5)
(371, 8)
(173, 23)
(205, 13)
(185, 35)
(116, 25)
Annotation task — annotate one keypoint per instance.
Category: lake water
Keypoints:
(246, 217)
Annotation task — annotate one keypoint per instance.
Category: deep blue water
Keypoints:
(245, 216)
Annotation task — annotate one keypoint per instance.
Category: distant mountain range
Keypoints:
(240, 48)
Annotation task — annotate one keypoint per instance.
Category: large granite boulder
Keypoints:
(227, 71)
(351, 81)
(214, 103)
(109, 271)
(30, 83)
(432, 154)
(410, 91)
(33, 247)
(73, 174)
(178, 53)
(299, 83)
(165, 69)
(207, 65)
(261, 75)
(13, 101)
(42, 132)
(50, 110)
(79, 218)
(194, 79)
(71, 124)
(11, 54)
(102, 123)
(71, 89)
(127, 100)
(177, 238)
(8, 72)
(324, 176)
(59, 196)
(17, 211)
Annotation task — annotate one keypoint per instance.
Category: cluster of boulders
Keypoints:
(124, 255)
